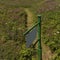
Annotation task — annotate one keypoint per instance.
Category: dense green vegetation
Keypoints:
(50, 11)
(10, 16)
(51, 31)
(12, 26)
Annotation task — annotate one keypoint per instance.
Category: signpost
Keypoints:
(39, 39)
(31, 34)
(30, 37)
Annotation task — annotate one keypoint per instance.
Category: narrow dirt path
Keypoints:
(46, 53)
(29, 18)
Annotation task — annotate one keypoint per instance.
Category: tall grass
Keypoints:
(12, 27)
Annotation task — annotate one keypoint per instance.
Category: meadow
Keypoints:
(11, 12)
(12, 27)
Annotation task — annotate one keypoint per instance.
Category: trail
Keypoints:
(46, 53)
(29, 18)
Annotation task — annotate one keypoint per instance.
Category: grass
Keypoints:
(12, 27)
(50, 27)
(50, 11)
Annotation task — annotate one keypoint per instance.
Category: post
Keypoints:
(39, 39)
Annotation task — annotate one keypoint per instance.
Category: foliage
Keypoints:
(12, 26)
(26, 54)
(51, 31)
(50, 11)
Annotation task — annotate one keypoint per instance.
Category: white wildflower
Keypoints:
(57, 32)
